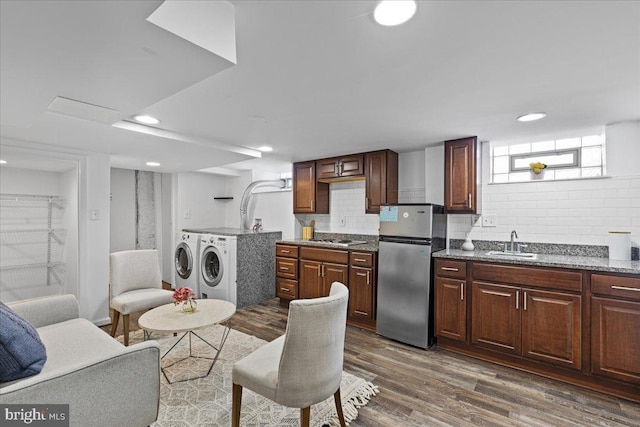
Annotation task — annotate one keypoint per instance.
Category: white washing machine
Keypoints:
(186, 261)
(218, 267)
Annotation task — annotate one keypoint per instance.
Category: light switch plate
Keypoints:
(187, 214)
(94, 214)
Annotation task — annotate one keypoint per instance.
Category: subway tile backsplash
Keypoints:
(346, 207)
(572, 212)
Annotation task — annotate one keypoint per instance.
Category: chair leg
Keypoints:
(114, 322)
(236, 405)
(338, 400)
(305, 416)
(125, 320)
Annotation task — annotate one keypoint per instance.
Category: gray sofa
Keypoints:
(104, 382)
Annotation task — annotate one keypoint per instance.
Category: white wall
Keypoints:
(93, 289)
(194, 196)
(273, 206)
(434, 174)
(346, 211)
(69, 191)
(573, 212)
(411, 177)
(123, 210)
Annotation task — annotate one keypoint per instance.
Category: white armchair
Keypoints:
(304, 366)
(135, 285)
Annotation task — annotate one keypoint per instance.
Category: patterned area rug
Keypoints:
(207, 401)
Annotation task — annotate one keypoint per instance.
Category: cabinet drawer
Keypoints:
(361, 259)
(567, 280)
(288, 251)
(286, 288)
(324, 255)
(287, 267)
(448, 268)
(606, 284)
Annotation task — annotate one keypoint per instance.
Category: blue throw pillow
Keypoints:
(22, 353)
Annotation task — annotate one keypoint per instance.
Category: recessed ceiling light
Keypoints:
(153, 164)
(265, 149)
(147, 120)
(3, 162)
(394, 12)
(531, 117)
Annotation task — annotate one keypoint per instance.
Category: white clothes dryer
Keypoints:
(187, 261)
(218, 267)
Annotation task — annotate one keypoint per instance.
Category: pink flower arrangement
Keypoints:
(182, 294)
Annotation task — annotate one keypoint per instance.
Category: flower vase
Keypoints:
(189, 306)
(539, 175)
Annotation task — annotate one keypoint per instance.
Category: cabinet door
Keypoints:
(495, 314)
(327, 168)
(333, 273)
(304, 184)
(352, 165)
(310, 282)
(451, 309)
(615, 339)
(361, 293)
(552, 327)
(460, 181)
(381, 179)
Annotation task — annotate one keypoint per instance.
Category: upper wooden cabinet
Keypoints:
(462, 176)
(339, 167)
(309, 195)
(381, 174)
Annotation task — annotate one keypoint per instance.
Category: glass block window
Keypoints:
(581, 157)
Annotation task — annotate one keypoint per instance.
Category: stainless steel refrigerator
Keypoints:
(409, 234)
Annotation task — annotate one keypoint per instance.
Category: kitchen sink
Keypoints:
(512, 254)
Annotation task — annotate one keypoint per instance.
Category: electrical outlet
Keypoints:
(187, 214)
(489, 220)
(343, 221)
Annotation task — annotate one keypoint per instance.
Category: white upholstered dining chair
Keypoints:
(304, 366)
(135, 285)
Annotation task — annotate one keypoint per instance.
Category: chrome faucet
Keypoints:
(514, 236)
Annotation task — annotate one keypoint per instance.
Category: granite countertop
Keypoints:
(226, 231)
(371, 246)
(548, 260)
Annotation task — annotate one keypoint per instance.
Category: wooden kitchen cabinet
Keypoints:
(319, 268)
(552, 327)
(339, 167)
(615, 327)
(286, 271)
(362, 289)
(462, 176)
(576, 326)
(450, 299)
(309, 195)
(545, 325)
(381, 179)
(495, 317)
(451, 309)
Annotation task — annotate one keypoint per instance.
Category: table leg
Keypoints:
(218, 349)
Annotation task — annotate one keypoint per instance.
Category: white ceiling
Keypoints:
(316, 78)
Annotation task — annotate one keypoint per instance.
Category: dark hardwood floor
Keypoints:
(439, 388)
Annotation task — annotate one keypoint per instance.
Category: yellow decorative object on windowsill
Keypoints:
(537, 170)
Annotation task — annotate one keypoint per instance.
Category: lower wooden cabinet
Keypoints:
(576, 326)
(316, 277)
(451, 309)
(495, 317)
(615, 342)
(361, 293)
(551, 327)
